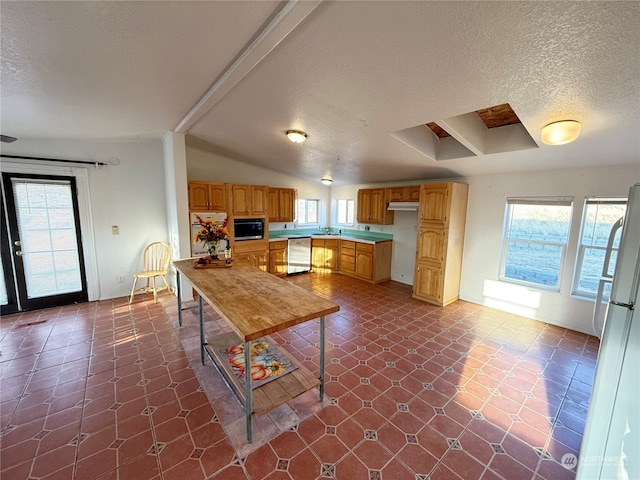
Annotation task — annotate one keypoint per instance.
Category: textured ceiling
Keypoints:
(235, 76)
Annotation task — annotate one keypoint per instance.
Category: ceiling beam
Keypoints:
(282, 24)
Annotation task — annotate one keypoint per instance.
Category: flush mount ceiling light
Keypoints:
(559, 133)
(326, 181)
(296, 136)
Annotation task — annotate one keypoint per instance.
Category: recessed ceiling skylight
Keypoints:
(498, 116)
(496, 129)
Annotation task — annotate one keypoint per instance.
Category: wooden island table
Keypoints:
(254, 304)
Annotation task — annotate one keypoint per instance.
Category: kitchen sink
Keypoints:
(332, 234)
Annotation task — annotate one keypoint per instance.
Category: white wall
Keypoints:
(483, 238)
(130, 194)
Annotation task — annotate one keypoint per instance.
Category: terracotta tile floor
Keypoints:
(105, 390)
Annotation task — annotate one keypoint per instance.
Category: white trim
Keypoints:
(84, 206)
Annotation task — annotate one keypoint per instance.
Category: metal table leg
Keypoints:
(322, 358)
(248, 395)
(179, 287)
(201, 318)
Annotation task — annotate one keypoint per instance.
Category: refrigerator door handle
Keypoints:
(630, 306)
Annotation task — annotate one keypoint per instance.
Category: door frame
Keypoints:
(25, 303)
(81, 175)
(8, 267)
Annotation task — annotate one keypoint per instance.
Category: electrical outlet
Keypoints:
(120, 279)
(115, 229)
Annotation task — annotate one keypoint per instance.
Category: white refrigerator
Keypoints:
(610, 444)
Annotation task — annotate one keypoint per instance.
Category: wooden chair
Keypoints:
(156, 259)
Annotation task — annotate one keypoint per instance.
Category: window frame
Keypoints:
(582, 247)
(306, 209)
(538, 201)
(337, 209)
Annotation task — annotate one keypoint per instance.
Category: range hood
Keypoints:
(403, 206)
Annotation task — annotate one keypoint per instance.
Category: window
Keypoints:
(345, 212)
(535, 239)
(599, 215)
(307, 211)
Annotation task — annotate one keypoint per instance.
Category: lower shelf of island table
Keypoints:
(270, 395)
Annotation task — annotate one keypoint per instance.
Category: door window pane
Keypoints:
(48, 239)
(4, 299)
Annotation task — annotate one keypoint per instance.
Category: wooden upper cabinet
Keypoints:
(409, 193)
(372, 207)
(218, 197)
(434, 204)
(280, 204)
(363, 211)
(249, 200)
(414, 193)
(241, 195)
(287, 199)
(258, 200)
(198, 196)
(378, 206)
(210, 197)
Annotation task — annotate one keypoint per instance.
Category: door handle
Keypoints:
(19, 253)
(17, 243)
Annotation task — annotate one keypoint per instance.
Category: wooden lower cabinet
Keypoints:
(325, 254)
(427, 283)
(255, 253)
(278, 258)
(348, 257)
(364, 260)
(367, 261)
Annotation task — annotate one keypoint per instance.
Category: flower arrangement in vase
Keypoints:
(211, 233)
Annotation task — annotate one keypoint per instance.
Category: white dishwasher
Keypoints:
(298, 254)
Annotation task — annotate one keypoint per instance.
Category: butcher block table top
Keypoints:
(253, 302)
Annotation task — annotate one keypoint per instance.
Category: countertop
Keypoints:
(254, 303)
(354, 238)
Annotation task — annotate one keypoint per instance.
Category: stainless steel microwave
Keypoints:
(248, 229)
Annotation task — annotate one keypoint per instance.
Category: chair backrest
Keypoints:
(157, 256)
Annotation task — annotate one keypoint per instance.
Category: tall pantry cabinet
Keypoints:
(442, 217)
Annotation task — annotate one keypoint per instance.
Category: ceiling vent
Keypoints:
(496, 129)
